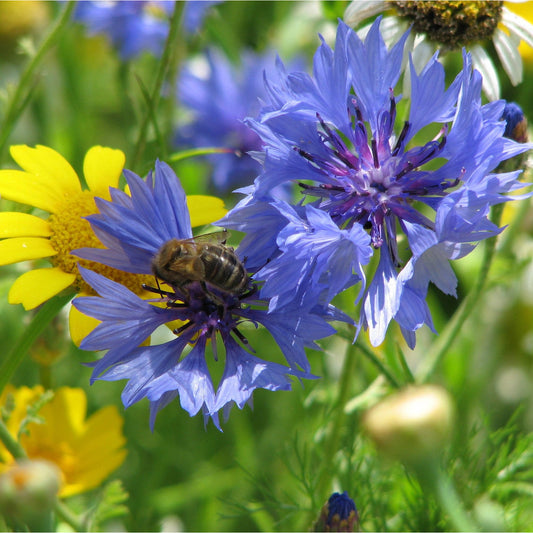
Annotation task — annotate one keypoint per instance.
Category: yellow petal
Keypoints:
(46, 163)
(24, 248)
(80, 325)
(205, 209)
(36, 286)
(23, 225)
(99, 451)
(65, 414)
(27, 189)
(102, 168)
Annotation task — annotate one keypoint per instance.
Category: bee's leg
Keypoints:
(212, 296)
(249, 292)
(157, 290)
(177, 304)
(181, 329)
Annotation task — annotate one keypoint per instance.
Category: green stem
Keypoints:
(379, 364)
(373, 358)
(155, 95)
(38, 324)
(19, 99)
(65, 514)
(331, 444)
(433, 477)
(442, 345)
(11, 444)
(193, 152)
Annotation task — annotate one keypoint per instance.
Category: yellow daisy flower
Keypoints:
(49, 183)
(452, 25)
(86, 451)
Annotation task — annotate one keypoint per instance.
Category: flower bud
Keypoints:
(338, 514)
(28, 491)
(412, 425)
(516, 127)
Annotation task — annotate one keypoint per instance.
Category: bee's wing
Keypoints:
(216, 237)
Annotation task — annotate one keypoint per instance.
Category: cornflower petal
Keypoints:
(366, 185)
(198, 311)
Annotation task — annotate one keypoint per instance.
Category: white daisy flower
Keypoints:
(452, 25)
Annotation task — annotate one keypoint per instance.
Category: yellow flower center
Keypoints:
(71, 231)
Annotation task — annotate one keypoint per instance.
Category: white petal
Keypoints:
(507, 49)
(392, 28)
(360, 10)
(518, 25)
(484, 64)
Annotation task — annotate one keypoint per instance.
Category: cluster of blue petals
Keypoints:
(137, 26)
(133, 228)
(414, 191)
(219, 101)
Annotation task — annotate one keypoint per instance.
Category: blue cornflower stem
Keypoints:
(40, 321)
(20, 98)
(153, 100)
(18, 452)
(453, 328)
(433, 478)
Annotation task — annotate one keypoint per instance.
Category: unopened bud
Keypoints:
(413, 425)
(28, 491)
(338, 514)
(516, 127)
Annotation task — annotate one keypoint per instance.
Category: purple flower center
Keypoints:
(376, 182)
(206, 310)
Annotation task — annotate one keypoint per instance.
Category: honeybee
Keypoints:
(205, 259)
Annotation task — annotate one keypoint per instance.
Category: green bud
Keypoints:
(28, 492)
(413, 425)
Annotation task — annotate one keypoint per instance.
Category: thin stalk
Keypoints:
(372, 357)
(65, 514)
(38, 324)
(331, 444)
(442, 345)
(155, 95)
(19, 100)
(433, 477)
(11, 444)
(194, 152)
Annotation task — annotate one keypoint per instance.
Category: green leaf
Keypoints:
(111, 505)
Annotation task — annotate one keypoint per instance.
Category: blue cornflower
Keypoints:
(136, 26)
(420, 202)
(220, 100)
(134, 229)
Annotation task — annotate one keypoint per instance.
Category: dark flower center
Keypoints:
(207, 310)
(376, 182)
(452, 24)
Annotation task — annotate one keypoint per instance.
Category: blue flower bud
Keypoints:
(338, 514)
(516, 127)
